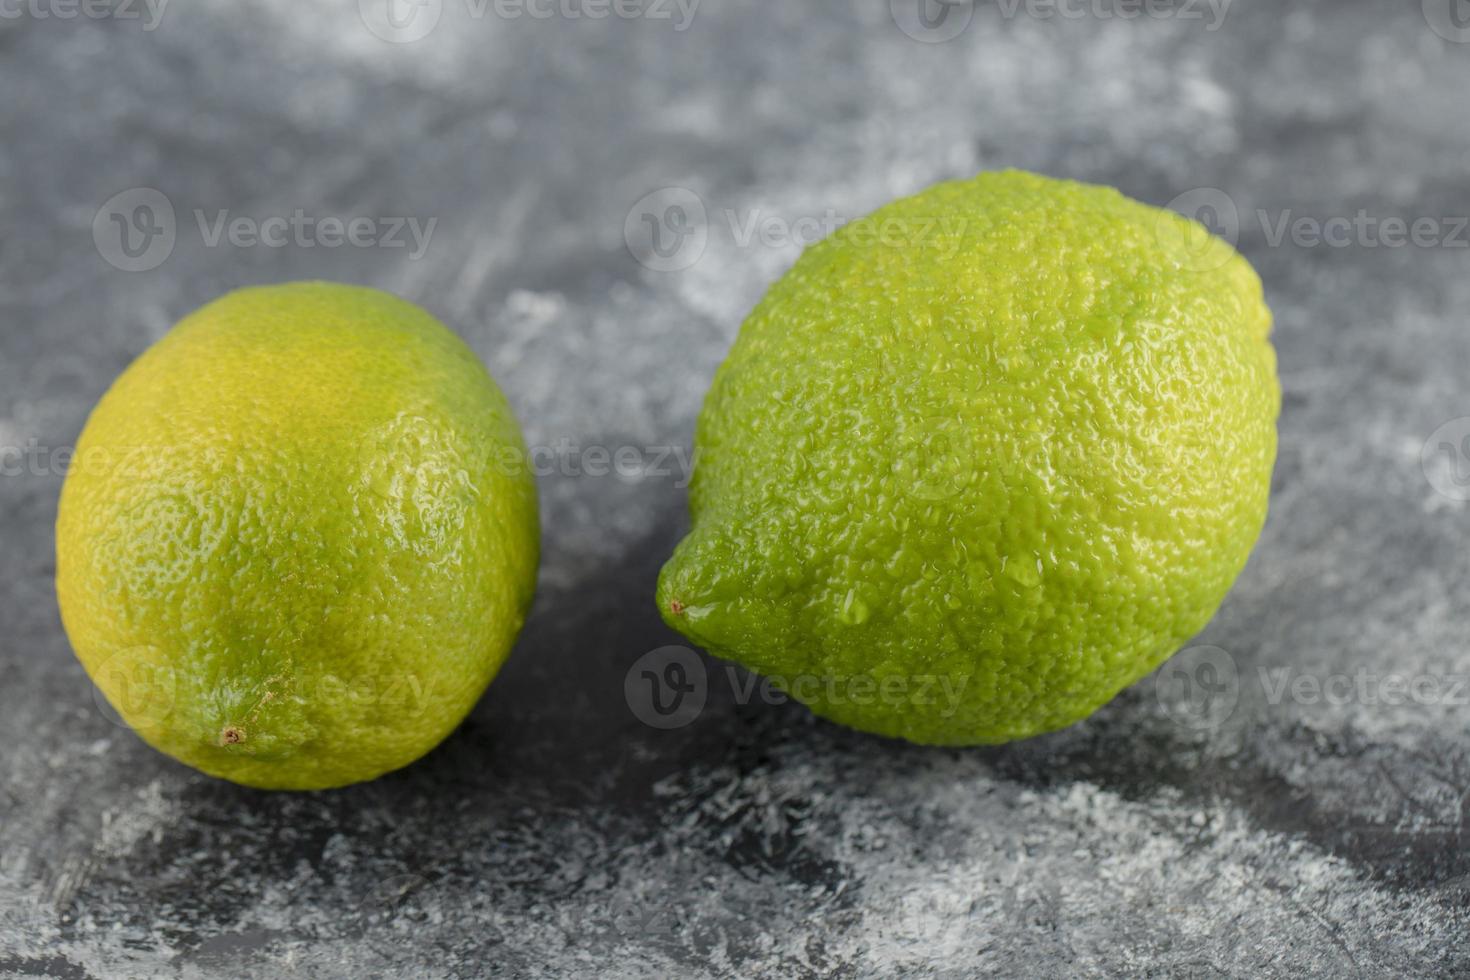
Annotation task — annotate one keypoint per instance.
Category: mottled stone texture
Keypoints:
(1264, 831)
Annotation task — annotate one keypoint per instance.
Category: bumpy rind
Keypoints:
(981, 460)
(299, 538)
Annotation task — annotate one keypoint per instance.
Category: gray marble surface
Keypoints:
(1301, 809)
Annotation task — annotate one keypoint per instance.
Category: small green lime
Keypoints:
(299, 539)
(981, 460)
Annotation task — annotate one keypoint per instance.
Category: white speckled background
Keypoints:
(1262, 832)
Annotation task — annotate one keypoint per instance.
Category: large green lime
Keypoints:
(981, 460)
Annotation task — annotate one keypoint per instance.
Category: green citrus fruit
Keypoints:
(299, 537)
(981, 460)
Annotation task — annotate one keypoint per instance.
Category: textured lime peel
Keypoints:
(1024, 450)
(294, 550)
